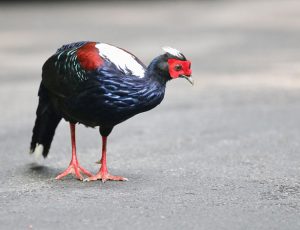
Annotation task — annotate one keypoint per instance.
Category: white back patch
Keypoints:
(123, 60)
(172, 51)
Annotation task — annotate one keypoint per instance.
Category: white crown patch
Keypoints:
(172, 51)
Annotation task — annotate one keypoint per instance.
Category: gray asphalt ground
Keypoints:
(223, 154)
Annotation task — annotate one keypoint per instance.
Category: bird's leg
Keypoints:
(103, 172)
(74, 167)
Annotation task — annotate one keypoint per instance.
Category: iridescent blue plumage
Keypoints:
(109, 100)
(71, 46)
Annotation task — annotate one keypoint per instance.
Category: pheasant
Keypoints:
(99, 85)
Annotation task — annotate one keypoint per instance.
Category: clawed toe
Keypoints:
(75, 170)
(105, 177)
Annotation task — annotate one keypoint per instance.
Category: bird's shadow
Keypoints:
(42, 171)
(37, 172)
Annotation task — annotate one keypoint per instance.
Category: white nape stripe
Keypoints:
(172, 51)
(121, 59)
(38, 151)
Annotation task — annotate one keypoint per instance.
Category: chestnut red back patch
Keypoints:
(178, 67)
(88, 56)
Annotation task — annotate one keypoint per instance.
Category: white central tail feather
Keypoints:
(38, 151)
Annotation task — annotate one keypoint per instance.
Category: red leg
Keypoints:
(103, 172)
(74, 167)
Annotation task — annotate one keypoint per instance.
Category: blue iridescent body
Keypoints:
(105, 96)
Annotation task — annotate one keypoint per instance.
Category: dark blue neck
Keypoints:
(154, 73)
(154, 90)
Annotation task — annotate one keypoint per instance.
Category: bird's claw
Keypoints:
(105, 177)
(76, 169)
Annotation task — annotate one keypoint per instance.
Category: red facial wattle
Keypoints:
(178, 68)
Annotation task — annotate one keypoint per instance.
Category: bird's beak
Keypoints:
(189, 78)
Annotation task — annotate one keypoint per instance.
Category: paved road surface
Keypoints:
(223, 154)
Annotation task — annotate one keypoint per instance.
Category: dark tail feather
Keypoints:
(46, 122)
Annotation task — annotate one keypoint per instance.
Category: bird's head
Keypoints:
(174, 65)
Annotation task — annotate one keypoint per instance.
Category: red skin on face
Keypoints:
(185, 68)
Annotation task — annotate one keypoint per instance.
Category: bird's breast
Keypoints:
(111, 101)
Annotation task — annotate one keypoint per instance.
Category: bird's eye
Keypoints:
(178, 67)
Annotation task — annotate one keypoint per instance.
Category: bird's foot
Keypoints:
(104, 176)
(76, 169)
